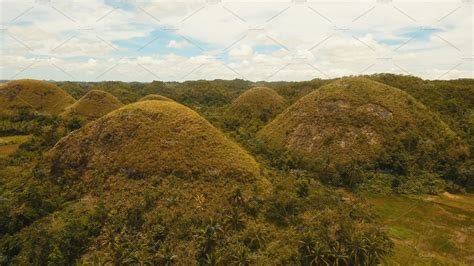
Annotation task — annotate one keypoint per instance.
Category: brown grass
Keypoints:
(155, 138)
(93, 105)
(36, 95)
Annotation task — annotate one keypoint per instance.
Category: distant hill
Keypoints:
(256, 107)
(360, 120)
(34, 95)
(75, 89)
(122, 90)
(93, 105)
(153, 97)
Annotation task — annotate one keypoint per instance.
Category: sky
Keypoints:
(144, 40)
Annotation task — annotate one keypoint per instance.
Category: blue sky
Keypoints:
(83, 39)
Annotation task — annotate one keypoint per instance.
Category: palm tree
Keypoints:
(313, 252)
(235, 220)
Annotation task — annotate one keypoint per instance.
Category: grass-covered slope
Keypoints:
(154, 137)
(34, 95)
(452, 100)
(155, 97)
(360, 120)
(428, 229)
(123, 91)
(255, 107)
(93, 105)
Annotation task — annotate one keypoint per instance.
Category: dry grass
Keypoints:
(10, 144)
(354, 119)
(155, 138)
(93, 105)
(37, 95)
(257, 106)
(156, 97)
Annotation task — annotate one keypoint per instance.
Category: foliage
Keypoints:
(154, 183)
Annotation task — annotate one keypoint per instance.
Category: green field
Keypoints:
(10, 144)
(429, 230)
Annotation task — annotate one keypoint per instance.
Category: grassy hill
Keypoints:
(154, 183)
(360, 120)
(33, 95)
(452, 100)
(155, 97)
(154, 137)
(75, 89)
(123, 91)
(256, 107)
(93, 105)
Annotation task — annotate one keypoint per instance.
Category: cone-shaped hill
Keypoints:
(357, 119)
(155, 97)
(93, 105)
(255, 107)
(34, 95)
(154, 138)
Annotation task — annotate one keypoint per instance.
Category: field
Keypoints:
(429, 230)
(10, 144)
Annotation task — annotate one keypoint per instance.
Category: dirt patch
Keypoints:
(311, 137)
(375, 110)
(449, 195)
(333, 106)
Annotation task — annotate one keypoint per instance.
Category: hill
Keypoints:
(123, 91)
(154, 137)
(75, 89)
(452, 100)
(156, 97)
(93, 105)
(255, 107)
(34, 95)
(360, 120)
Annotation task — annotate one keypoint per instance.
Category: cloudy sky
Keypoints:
(138, 40)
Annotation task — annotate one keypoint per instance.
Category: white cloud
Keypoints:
(314, 39)
(178, 45)
(242, 52)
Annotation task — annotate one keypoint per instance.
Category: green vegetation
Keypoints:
(354, 124)
(10, 144)
(428, 230)
(363, 180)
(75, 89)
(123, 91)
(33, 95)
(452, 100)
(91, 106)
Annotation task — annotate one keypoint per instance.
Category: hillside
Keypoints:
(354, 172)
(155, 97)
(75, 89)
(123, 91)
(154, 137)
(93, 105)
(256, 107)
(359, 120)
(34, 95)
(452, 100)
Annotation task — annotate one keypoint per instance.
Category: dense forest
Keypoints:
(224, 173)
